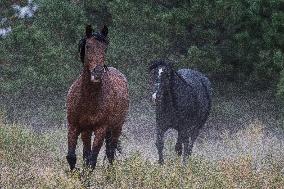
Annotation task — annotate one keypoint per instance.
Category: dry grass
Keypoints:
(30, 160)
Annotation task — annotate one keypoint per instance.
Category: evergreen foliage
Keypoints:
(228, 39)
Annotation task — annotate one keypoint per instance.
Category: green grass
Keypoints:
(31, 160)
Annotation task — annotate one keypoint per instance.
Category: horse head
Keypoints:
(92, 50)
(160, 78)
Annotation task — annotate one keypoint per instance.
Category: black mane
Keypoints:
(81, 45)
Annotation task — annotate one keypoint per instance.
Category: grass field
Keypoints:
(30, 160)
(250, 156)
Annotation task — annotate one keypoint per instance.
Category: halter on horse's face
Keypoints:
(93, 51)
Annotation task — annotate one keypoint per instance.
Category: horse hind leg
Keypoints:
(73, 134)
(109, 148)
(86, 138)
(100, 135)
(112, 143)
(188, 144)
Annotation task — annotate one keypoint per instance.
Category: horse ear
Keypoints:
(89, 31)
(104, 31)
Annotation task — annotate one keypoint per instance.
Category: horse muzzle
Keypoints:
(154, 98)
(96, 74)
(95, 79)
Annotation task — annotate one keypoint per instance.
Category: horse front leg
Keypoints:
(178, 146)
(112, 139)
(100, 135)
(86, 138)
(160, 144)
(73, 134)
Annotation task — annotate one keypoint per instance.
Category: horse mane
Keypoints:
(81, 48)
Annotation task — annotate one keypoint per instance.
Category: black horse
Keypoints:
(183, 102)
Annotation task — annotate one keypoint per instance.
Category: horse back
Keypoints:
(194, 98)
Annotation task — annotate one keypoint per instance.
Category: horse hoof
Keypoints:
(72, 169)
(86, 163)
(71, 159)
(178, 150)
(161, 162)
(75, 169)
(93, 166)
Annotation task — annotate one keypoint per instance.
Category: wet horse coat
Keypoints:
(96, 102)
(183, 102)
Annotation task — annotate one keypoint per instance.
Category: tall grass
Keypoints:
(32, 160)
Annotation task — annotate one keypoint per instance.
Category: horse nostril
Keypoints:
(95, 78)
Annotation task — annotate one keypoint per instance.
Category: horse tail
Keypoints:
(208, 92)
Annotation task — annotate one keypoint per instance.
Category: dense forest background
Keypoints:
(231, 41)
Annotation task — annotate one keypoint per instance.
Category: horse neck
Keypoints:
(169, 92)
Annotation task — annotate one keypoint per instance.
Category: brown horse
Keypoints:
(97, 102)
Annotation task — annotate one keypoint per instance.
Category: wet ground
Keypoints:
(239, 126)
